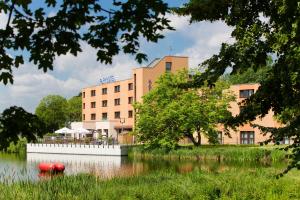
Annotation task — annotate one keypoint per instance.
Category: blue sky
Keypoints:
(198, 41)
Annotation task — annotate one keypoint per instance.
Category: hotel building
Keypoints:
(108, 108)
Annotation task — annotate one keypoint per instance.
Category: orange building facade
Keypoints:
(108, 108)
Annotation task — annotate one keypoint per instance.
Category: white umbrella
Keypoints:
(81, 130)
(64, 130)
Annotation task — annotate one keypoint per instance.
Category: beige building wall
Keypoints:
(143, 79)
(267, 121)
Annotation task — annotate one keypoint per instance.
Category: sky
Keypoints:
(198, 41)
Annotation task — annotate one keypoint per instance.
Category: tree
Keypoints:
(75, 109)
(260, 28)
(250, 75)
(170, 113)
(53, 110)
(16, 123)
(31, 30)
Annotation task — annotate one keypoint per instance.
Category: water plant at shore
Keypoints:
(214, 152)
(250, 183)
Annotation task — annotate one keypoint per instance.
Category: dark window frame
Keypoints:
(130, 100)
(130, 113)
(104, 103)
(119, 115)
(93, 116)
(246, 93)
(168, 66)
(117, 88)
(117, 102)
(93, 104)
(93, 93)
(248, 139)
(104, 118)
(130, 86)
(104, 91)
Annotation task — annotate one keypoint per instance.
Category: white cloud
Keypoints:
(199, 41)
(3, 20)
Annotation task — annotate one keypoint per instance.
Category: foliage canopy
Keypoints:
(260, 29)
(169, 113)
(42, 36)
(16, 123)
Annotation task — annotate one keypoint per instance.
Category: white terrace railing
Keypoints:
(78, 149)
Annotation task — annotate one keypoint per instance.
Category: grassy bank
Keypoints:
(230, 184)
(220, 152)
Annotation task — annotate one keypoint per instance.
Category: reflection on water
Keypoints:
(14, 168)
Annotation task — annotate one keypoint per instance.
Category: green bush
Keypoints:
(19, 147)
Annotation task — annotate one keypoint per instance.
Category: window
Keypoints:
(104, 90)
(83, 94)
(93, 116)
(83, 117)
(117, 115)
(104, 116)
(104, 103)
(93, 104)
(130, 114)
(117, 88)
(285, 140)
(93, 93)
(168, 66)
(130, 100)
(247, 137)
(130, 86)
(117, 102)
(83, 105)
(246, 93)
(149, 85)
(220, 137)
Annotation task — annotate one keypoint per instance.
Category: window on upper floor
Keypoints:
(117, 115)
(93, 104)
(246, 93)
(130, 114)
(168, 66)
(83, 106)
(93, 93)
(104, 90)
(130, 100)
(117, 88)
(93, 116)
(104, 116)
(130, 86)
(149, 85)
(247, 137)
(83, 95)
(104, 103)
(117, 102)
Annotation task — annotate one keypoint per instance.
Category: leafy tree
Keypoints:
(170, 113)
(260, 28)
(250, 75)
(31, 30)
(53, 111)
(16, 123)
(75, 109)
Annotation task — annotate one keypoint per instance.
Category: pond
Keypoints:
(15, 168)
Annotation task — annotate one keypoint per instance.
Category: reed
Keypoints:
(254, 183)
(219, 152)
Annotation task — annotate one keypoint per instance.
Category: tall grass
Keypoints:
(253, 183)
(222, 152)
